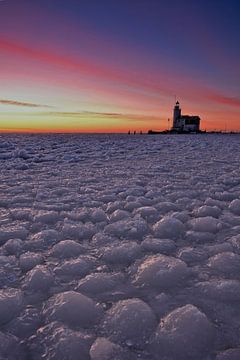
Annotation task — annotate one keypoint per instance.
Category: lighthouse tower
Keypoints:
(176, 116)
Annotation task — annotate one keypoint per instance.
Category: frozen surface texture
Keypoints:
(116, 247)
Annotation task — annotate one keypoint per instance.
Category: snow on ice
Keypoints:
(115, 247)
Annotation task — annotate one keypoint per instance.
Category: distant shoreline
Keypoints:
(3, 133)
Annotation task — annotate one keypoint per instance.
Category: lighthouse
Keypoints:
(184, 123)
(176, 115)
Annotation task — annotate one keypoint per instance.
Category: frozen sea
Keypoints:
(117, 247)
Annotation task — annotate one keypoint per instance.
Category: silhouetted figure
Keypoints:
(134, 133)
(129, 132)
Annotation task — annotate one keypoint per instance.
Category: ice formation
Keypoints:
(116, 247)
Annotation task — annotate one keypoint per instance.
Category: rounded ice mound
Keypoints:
(119, 214)
(234, 207)
(192, 255)
(99, 282)
(129, 228)
(207, 210)
(47, 217)
(44, 239)
(74, 268)
(104, 349)
(205, 224)
(225, 263)
(66, 249)
(11, 303)
(29, 260)
(124, 253)
(184, 334)
(55, 341)
(38, 279)
(80, 232)
(165, 207)
(13, 246)
(147, 212)
(131, 322)
(26, 324)
(98, 215)
(235, 242)
(164, 246)
(199, 237)
(220, 290)
(168, 227)
(230, 354)
(161, 272)
(72, 308)
(12, 233)
(10, 348)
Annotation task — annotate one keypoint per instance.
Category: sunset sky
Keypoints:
(115, 65)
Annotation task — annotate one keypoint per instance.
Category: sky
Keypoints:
(118, 65)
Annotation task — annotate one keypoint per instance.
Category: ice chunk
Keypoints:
(13, 246)
(10, 348)
(23, 214)
(234, 207)
(184, 334)
(205, 224)
(213, 202)
(98, 215)
(168, 227)
(207, 210)
(55, 342)
(124, 253)
(119, 214)
(75, 267)
(42, 240)
(99, 282)
(218, 248)
(192, 255)
(12, 233)
(50, 217)
(29, 260)
(67, 249)
(166, 206)
(22, 153)
(235, 242)
(149, 213)
(130, 320)
(80, 232)
(104, 349)
(11, 303)
(164, 246)
(183, 216)
(100, 239)
(132, 228)
(131, 205)
(230, 354)
(26, 323)
(38, 279)
(161, 272)
(220, 290)
(199, 237)
(225, 263)
(72, 308)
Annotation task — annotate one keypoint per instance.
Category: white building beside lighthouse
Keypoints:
(184, 123)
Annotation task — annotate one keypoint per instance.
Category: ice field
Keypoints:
(117, 247)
